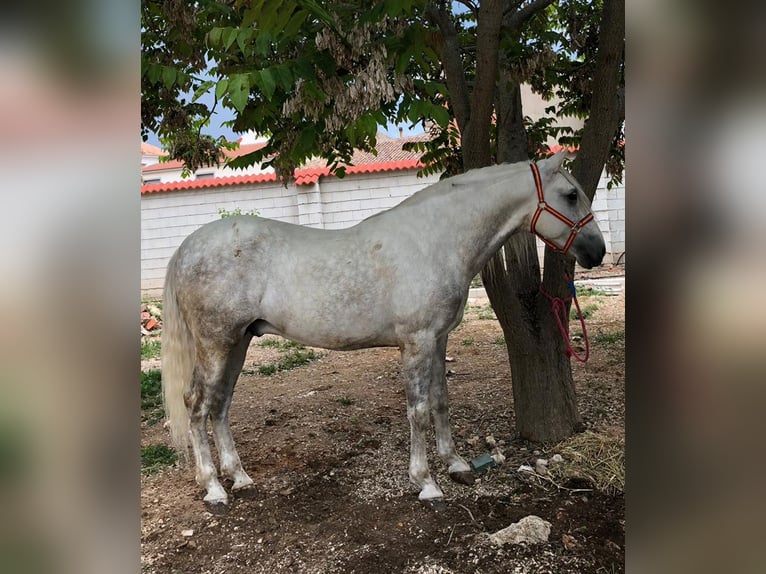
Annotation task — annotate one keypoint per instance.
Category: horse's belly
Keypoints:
(338, 339)
(329, 327)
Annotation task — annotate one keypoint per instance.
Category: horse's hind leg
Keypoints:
(205, 392)
(219, 416)
(458, 468)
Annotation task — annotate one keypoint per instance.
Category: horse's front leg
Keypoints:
(458, 468)
(418, 361)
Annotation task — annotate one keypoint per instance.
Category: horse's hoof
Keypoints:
(463, 477)
(435, 504)
(217, 507)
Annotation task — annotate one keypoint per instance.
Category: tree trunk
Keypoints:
(544, 400)
(543, 391)
(543, 388)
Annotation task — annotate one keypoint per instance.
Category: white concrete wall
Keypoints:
(349, 200)
(168, 218)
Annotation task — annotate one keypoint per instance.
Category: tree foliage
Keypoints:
(320, 78)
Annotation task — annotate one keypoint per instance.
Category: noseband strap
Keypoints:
(543, 206)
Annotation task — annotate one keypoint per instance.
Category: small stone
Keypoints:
(525, 468)
(557, 458)
(187, 533)
(536, 452)
(568, 541)
(490, 440)
(259, 541)
(449, 359)
(498, 457)
(473, 441)
(530, 530)
(541, 466)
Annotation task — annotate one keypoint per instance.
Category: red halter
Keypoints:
(542, 206)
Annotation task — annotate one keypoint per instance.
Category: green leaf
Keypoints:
(266, 18)
(284, 14)
(221, 87)
(214, 37)
(243, 37)
(168, 76)
(239, 90)
(284, 76)
(296, 21)
(154, 73)
(229, 37)
(415, 113)
(202, 90)
(305, 144)
(440, 116)
(263, 43)
(320, 13)
(265, 81)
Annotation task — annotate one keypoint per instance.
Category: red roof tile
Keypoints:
(149, 149)
(390, 157)
(175, 164)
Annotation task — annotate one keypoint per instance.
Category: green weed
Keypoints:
(155, 456)
(499, 341)
(281, 344)
(587, 311)
(467, 342)
(346, 401)
(151, 396)
(486, 313)
(294, 358)
(224, 213)
(612, 338)
(150, 348)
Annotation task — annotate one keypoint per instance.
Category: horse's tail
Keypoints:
(177, 362)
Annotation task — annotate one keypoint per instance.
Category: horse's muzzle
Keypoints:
(589, 251)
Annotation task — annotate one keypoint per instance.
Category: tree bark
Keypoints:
(607, 109)
(475, 138)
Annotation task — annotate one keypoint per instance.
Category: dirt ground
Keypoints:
(327, 446)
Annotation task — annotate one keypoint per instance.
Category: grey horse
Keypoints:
(397, 279)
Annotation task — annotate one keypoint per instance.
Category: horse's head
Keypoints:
(562, 218)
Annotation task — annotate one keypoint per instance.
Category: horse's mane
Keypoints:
(473, 179)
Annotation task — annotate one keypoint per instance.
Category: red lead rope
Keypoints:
(559, 308)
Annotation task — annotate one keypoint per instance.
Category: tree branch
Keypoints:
(605, 113)
(453, 64)
(517, 18)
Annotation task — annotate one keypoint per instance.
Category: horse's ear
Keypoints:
(555, 161)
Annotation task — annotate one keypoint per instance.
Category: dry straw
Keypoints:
(597, 458)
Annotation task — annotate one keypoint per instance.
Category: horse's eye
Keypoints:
(572, 197)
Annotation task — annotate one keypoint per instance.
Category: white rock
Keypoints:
(525, 468)
(530, 530)
(490, 440)
(557, 458)
(498, 457)
(541, 466)
(187, 533)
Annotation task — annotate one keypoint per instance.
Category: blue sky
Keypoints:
(221, 115)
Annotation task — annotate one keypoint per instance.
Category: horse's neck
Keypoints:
(476, 215)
